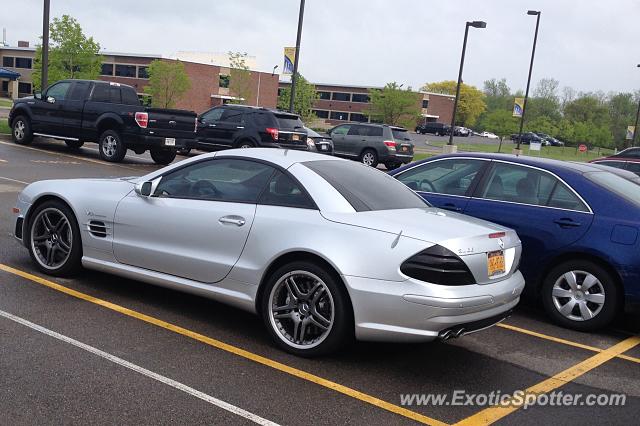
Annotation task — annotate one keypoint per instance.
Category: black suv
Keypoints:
(372, 144)
(527, 138)
(434, 128)
(240, 126)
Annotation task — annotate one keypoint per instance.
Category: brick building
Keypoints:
(209, 83)
(337, 104)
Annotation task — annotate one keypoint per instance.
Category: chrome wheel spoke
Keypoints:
(567, 309)
(51, 252)
(589, 281)
(585, 312)
(561, 292)
(294, 290)
(40, 238)
(570, 278)
(47, 223)
(64, 247)
(597, 298)
(319, 320)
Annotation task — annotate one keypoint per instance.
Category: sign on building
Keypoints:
(289, 59)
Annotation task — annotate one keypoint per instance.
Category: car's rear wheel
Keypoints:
(111, 146)
(184, 151)
(392, 166)
(246, 144)
(163, 156)
(21, 130)
(54, 239)
(581, 295)
(306, 309)
(74, 144)
(369, 158)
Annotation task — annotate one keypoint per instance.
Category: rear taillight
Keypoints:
(438, 265)
(273, 132)
(390, 144)
(142, 119)
(497, 235)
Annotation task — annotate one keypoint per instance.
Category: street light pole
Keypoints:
(533, 54)
(635, 128)
(294, 77)
(475, 24)
(45, 46)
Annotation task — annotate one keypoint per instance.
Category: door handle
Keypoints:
(452, 207)
(232, 220)
(239, 127)
(566, 223)
(212, 125)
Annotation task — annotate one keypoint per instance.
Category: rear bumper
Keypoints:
(397, 158)
(415, 311)
(152, 141)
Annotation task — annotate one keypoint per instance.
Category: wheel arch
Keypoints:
(37, 202)
(21, 110)
(245, 138)
(108, 122)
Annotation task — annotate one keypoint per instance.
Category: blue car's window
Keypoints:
(451, 177)
(627, 188)
(524, 185)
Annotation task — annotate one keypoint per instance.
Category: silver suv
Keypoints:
(373, 144)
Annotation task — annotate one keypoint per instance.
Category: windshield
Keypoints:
(628, 188)
(366, 188)
(287, 121)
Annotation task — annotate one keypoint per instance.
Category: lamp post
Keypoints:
(294, 77)
(273, 71)
(45, 46)
(474, 24)
(526, 95)
(635, 128)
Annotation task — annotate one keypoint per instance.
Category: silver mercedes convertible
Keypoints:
(322, 249)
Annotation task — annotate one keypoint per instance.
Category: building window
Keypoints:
(338, 96)
(5, 86)
(126, 70)
(143, 72)
(324, 95)
(425, 103)
(7, 61)
(223, 81)
(320, 113)
(337, 115)
(107, 69)
(361, 118)
(360, 97)
(24, 88)
(25, 63)
(280, 91)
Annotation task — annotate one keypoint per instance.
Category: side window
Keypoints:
(630, 153)
(232, 115)
(634, 167)
(451, 177)
(129, 96)
(375, 131)
(231, 180)
(100, 93)
(514, 183)
(563, 198)
(59, 91)
(616, 164)
(79, 91)
(284, 191)
(358, 131)
(114, 95)
(212, 115)
(341, 130)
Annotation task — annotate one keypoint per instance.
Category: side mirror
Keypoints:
(37, 95)
(148, 188)
(51, 99)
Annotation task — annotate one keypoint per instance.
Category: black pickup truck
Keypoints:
(110, 114)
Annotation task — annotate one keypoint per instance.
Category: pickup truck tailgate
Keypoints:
(172, 123)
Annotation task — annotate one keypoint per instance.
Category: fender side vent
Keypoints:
(98, 229)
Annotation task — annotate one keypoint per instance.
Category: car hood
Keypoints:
(70, 188)
(459, 233)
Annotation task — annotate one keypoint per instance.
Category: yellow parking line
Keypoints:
(563, 341)
(231, 349)
(493, 414)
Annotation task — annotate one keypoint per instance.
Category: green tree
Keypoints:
(543, 124)
(501, 122)
(168, 82)
(240, 84)
(394, 105)
(71, 53)
(622, 109)
(304, 100)
(545, 101)
(470, 105)
(497, 95)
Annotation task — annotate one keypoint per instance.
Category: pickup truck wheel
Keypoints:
(74, 144)
(184, 151)
(163, 156)
(21, 130)
(111, 146)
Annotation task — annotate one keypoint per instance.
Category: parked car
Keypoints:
(461, 131)
(321, 143)
(110, 114)
(373, 144)
(527, 138)
(550, 140)
(625, 163)
(438, 129)
(633, 152)
(488, 135)
(579, 225)
(321, 248)
(239, 126)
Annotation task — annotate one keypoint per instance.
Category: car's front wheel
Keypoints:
(163, 156)
(54, 239)
(111, 146)
(21, 130)
(581, 295)
(306, 309)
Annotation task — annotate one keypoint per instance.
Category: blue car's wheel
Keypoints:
(581, 295)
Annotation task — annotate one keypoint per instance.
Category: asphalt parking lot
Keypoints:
(103, 349)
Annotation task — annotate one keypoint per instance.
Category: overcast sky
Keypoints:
(588, 44)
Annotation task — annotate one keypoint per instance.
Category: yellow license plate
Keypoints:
(495, 263)
(295, 137)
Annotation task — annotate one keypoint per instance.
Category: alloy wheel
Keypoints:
(51, 238)
(302, 310)
(18, 130)
(578, 295)
(368, 158)
(109, 146)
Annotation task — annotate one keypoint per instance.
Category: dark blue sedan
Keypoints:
(578, 224)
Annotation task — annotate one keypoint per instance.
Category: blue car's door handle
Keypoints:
(452, 207)
(566, 223)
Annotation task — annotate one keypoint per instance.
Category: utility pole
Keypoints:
(526, 95)
(45, 46)
(294, 77)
